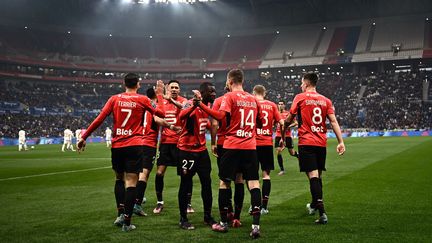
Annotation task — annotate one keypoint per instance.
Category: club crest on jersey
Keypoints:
(153, 104)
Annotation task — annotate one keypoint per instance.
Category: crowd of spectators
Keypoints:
(380, 101)
(383, 101)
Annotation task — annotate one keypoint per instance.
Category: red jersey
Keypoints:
(270, 114)
(222, 124)
(284, 115)
(312, 110)
(151, 130)
(192, 138)
(241, 130)
(128, 113)
(169, 136)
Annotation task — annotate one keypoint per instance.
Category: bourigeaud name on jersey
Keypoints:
(246, 103)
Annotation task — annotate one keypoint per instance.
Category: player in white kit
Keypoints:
(108, 137)
(78, 134)
(22, 144)
(67, 142)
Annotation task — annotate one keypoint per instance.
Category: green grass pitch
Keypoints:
(380, 190)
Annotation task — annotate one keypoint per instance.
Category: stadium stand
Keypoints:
(387, 100)
(252, 47)
(309, 44)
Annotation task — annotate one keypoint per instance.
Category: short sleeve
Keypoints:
(226, 104)
(295, 105)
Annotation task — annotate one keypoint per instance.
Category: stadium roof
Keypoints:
(118, 14)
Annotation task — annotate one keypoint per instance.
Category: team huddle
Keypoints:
(241, 128)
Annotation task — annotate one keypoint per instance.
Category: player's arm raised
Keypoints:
(186, 111)
(106, 110)
(336, 128)
(218, 115)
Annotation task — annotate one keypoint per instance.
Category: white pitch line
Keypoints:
(53, 173)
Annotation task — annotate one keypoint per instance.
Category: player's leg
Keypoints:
(141, 187)
(204, 173)
(238, 199)
(290, 145)
(159, 177)
(159, 181)
(189, 200)
(266, 159)
(308, 158)
(250, 174)
(119, 185)
(255, 192)
(20, 146)
(279, 156)
(119, 194)
(25, 146)
(168, 156)
(185, 170)
(130, 196)
(227, 169)
(71, 146)
(220, 153)
(223, 201)
(133, 159)
(64, 145)
(321, 158)
(266, 188)
(317, 195)
(148, 159)
(185, 182)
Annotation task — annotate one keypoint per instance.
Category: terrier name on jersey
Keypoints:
(128, 104)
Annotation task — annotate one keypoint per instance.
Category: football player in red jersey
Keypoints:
(151, 131)
(193, 155)
(218, 129)
(264, 139)
(127, 152)
(312, 110)
(168, 151)
(240, 147)
(288, 138)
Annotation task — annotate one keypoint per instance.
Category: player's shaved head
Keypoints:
(259, 90)
(208, 92)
